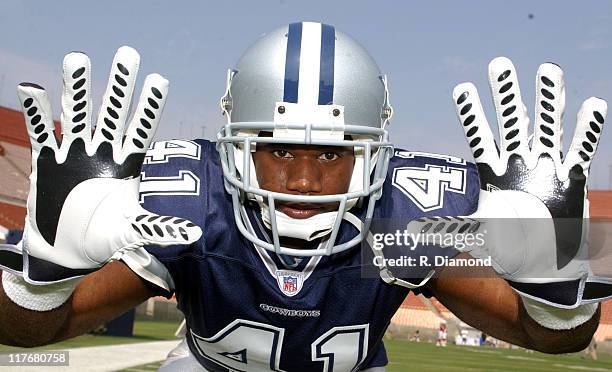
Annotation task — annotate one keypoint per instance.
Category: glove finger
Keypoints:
(76, 98)
(118, 96)
(38, 116)
(477, 130)
(147, 116)
(589, 124)
(512, 118)
(165, 230)
(550, 105)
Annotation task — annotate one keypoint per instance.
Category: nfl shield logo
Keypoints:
(290, 282)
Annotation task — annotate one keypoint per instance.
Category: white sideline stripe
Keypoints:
(519, 357)
(310, 64)
(109, 358)
(482, 351)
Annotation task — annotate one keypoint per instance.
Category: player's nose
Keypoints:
(304, 176)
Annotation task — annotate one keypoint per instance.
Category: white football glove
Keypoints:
(533, 206)
(83, 208)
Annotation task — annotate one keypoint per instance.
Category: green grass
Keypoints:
(143, 331)
(405, 355)
(412, 356)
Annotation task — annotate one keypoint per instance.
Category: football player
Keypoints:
(258, 234)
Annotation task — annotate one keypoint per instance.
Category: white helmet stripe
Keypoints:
(310, 63)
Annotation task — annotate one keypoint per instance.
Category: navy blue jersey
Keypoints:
(249, 309)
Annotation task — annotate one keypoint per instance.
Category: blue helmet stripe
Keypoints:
(326, 74)
(292, 63)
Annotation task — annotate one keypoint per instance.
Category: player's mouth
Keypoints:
(301, 210)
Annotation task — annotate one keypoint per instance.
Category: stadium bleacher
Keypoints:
(415, 312)
(14, 168)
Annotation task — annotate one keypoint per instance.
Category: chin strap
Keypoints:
(307, 229)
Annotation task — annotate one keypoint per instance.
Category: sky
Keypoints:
(425, 48)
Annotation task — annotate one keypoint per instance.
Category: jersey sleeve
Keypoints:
(422, 185)
(172, 183)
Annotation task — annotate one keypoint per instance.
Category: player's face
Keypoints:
(304, 170)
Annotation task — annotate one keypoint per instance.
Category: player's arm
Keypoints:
(98, 298)
(488, 303)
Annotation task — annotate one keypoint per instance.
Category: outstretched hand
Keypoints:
(83, 205)
(533, 206)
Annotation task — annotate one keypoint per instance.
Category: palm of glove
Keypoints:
(564, 200)
(55, 181)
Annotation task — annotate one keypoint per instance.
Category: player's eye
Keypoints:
(329, 156)
(284, 154)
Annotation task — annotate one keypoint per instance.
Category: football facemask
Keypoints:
(306, 84)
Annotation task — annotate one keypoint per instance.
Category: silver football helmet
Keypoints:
(306, 83)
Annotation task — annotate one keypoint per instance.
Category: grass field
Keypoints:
(143, 331)
(412, 356)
